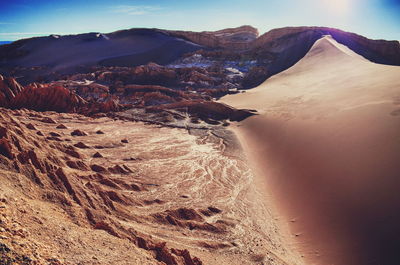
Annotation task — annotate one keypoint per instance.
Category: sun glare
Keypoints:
(339, 7)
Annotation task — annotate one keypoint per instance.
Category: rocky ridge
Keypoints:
(241, 49)
(233, 38)
(69, 97)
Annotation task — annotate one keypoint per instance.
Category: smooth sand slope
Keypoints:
(121, 48)
(327, 147)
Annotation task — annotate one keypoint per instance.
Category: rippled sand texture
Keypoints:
(192, 191)
(326, 145)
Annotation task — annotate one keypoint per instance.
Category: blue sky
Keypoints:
(27, 18)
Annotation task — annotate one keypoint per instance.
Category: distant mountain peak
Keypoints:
(234, 38)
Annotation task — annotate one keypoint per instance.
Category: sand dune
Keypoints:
(121, 48)
(325, 145)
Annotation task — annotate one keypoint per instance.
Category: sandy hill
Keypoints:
(283, 47)
(126, 47)
(327, 68)
(326, 145)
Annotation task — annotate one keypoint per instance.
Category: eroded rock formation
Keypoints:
(58, 179)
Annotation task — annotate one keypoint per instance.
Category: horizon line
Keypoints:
(46, 34)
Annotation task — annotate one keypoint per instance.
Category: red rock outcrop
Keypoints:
(37, 97)
(9, 88)
(45, 97)
(49, 97)
(148, 74)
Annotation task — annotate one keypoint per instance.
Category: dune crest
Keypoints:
(328, 46)
(322, 79)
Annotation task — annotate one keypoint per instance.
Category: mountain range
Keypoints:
(274, 51)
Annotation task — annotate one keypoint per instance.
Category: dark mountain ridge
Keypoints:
(263, 55)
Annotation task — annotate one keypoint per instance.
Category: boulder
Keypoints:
(6, 148)
(78, 132)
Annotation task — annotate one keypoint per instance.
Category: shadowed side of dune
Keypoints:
(339, 192)
(162, 54)
(127, 47)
